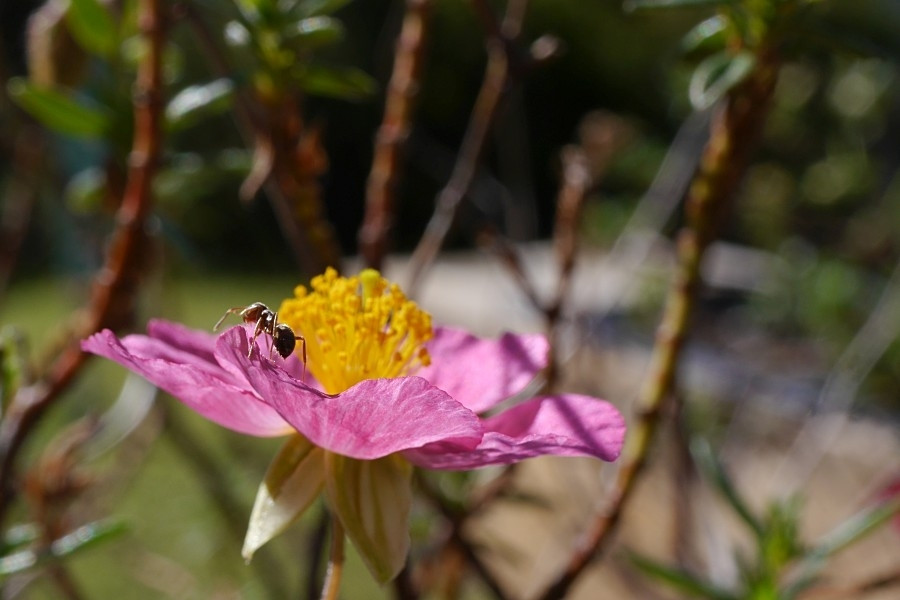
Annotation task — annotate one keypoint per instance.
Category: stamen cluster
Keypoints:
(357, 328)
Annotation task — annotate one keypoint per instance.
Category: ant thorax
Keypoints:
(265, 320)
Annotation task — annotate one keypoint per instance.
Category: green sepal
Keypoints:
(372, 499)
(293, 481)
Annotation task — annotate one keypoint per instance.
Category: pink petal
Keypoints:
(201, 344)
(372, 419)
(564, 425)
(201, 385)
(478, 372)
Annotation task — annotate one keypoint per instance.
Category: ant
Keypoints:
(283, 338)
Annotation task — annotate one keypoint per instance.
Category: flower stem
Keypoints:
(332, 584)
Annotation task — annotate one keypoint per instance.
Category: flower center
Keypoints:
(357, 328)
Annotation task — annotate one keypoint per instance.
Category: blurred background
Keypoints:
(269, 130)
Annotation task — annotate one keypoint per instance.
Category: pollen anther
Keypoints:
(358, 328)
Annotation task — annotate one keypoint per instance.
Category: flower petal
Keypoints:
(294, 479)
(372, 499)
(202, 386)
(478, 372)
(194, 342)
(564, 425)
(374, 418)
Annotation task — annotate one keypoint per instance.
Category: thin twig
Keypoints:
(115, 286)
(455, 519)
(683, 477)
(315, 544)
(497, 79)
(736, 127)
(332, 585)
(393, 133)
(510, 257)
(576, 181)
(581, 172)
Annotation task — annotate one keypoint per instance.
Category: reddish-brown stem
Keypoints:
(734, 131)
(496, 82)
(392, 134)
(575, 184)
(116, 283)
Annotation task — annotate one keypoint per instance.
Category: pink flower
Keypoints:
(430, 418)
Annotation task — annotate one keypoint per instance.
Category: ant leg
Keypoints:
(271, 330)
(303, 344)
(230, 311)
(256, 331)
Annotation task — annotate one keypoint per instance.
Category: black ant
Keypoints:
(266, 321)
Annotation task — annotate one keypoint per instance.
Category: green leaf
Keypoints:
(314, 8)
(86, 536)
(80, 539)
(196, 102)
(315, 32)
(92, 26)
(58, 111)
(332, 82)
(856, 527)
(372, 498)
(85, 191)
(715, 472)
(634, 5)
(717, 75)
(293, 481)
(678, 579)
(706, 37)
(852, 530)
(19, 535)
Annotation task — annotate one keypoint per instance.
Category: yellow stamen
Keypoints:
(357, 328)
